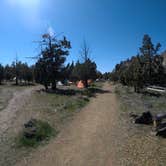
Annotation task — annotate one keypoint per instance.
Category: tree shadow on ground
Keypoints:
(151, 94)
(66, 92)
(95, 91)
(90, 92)
(23, 84)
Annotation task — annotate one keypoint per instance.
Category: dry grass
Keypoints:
(6, 93)
(57, 109)
(138, 146)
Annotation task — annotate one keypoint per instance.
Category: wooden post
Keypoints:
(155, 123)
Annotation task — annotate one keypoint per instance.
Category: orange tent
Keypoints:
(80, 85)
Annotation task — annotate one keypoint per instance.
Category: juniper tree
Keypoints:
(52, 58)
(87, 69)
(143, 69)
(147, 53)
(1, 74)
(137, 79)
(8, 73)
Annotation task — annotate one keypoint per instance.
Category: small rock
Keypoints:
(30, 129)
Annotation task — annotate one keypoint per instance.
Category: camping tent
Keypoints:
(59, 83)
(80, 85)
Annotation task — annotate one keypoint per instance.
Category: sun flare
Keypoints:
(25, 3)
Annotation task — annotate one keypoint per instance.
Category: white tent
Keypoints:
(59, 83)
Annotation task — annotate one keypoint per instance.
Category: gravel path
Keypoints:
(86, 141)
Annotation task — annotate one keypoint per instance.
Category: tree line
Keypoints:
(146, 68)
(50, 66)
(18, 72)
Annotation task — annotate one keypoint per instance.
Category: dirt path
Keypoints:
(87, 139)
(9, 114)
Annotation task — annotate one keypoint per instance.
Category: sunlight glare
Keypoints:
(25, 3)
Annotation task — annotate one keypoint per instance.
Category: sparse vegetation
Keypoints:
(147, 68)
(140, 102)
(43, 132)
(138, 145)
(57, 109)
(7, 93)
(97, 104)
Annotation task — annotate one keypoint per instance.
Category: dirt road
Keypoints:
(9, 114)
(86, 141)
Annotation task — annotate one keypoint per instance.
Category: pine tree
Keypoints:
(1, 74)
(147, 53)
(52, 58)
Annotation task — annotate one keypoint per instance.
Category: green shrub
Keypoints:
(88, 93)
(43, 133)
(117, 91)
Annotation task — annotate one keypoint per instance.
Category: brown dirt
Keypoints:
(9, 115)
(11, 120)
(86, 141)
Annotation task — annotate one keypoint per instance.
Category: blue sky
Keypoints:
(113, 28)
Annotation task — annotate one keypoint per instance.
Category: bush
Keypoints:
(42, 131)
(88, 92)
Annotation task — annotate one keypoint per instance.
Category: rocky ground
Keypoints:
(102, 133)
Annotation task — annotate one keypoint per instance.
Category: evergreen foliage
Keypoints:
(144, 69)
(50, 66)
(87, 69)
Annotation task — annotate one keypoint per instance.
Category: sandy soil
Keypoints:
(9, 114)
(87, 140)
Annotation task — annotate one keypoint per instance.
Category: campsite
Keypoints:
(82, 83)
(130, 141)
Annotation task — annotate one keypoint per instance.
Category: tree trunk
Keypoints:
(16, 80)
(46, 86)
(135, 89)
(54, 85)
(86, 83)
